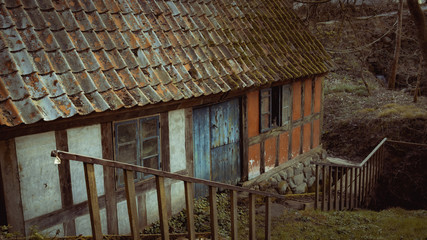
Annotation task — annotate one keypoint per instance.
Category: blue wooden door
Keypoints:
(216, 137)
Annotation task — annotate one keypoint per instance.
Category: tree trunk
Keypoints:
(392, 76)
(420, 24)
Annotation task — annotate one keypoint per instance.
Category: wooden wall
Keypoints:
(279, 144)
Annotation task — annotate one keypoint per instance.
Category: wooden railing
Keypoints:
(348, 186)
(129, 170)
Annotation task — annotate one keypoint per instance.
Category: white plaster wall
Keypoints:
(151, 206)
(85, 141)
(177, 140)
(177, 197)
(39, 179)
(123, 217)
(83, 226)
(51, 232)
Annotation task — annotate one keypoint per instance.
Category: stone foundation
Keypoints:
(295, 176)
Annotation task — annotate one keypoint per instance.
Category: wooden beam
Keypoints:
(234, 215)
(164, 141)
(163, 214)
(189, 140)
(65, 181)
(92, 196)
(109, 179)
(244, 150)
(131, 204)
(11, 186)
(213, 213)
(189, 203)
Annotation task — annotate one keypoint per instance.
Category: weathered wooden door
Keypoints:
(216, 136)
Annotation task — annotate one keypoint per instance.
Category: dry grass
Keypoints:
(405, 111)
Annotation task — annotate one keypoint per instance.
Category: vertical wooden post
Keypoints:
(267, 218)
(131, 204)
(357, 187)
(350, 202)
(189, 203)
(11, 186)
(252, 227)
(330, 188)
(341, 188)
(214, 213)
(336, 189)
(233, 210)
(163, 211)
(346, 188)
(316, 196)
(92, 199)
(323, 187)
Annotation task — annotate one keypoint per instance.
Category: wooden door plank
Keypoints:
(163, 213)
(131, 203)
(316, 196)
(11, 186)
(213, 213)
(323, 187)
(92, 196)
(189, 203)
(234, 215)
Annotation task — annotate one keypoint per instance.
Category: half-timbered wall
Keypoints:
(54, 196)
(276, 145)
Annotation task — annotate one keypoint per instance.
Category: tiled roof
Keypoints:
(64, 58)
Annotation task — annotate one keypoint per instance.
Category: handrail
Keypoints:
(373, 152)
(126, 166)
(129, 170)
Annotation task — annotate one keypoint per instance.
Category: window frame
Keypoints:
(275, 109)
(139, 146)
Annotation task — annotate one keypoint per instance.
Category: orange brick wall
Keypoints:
(253, 113)
(284, 147)
(270, 153)
(296, 141)
(308, 89)
(296, 100)
(306, 138)
(254, 160)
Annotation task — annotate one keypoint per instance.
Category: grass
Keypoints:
(406, 111)
(363, 224)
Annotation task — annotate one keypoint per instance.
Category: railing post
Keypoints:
(350, 198)
(252, 228)
(330, 188)
(359, 188)
(234, 222)
(189, 204)
(316, 196)
(336, 189)
(131, 203)
(346, 188)
(341, 188)
(214, 213)
(163, 215)
(323, 187)
(92, 197)
(267, 218)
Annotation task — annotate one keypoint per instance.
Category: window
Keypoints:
(275, 110)
(137, 142)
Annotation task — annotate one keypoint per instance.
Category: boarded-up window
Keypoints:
(137, 142)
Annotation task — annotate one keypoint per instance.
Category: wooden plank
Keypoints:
(316, 196)
(244, 148)
(189, 204)
(267, 231)
(131, 203)
(189, 139)
(142, 211)
(252, 226)
(346, 187)
(202, 161)
(176, 176)
(163, 215)
(11, 186)
(341, 188)
(92, 196)
(323, 187)
(109, 179)
(213, 213)
(350, 202)
(65, 181)
(336, 189)
(164, 141)
(234, 215)
(356, 186)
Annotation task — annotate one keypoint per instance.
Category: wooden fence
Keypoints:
(348, 186)
(160, 176)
